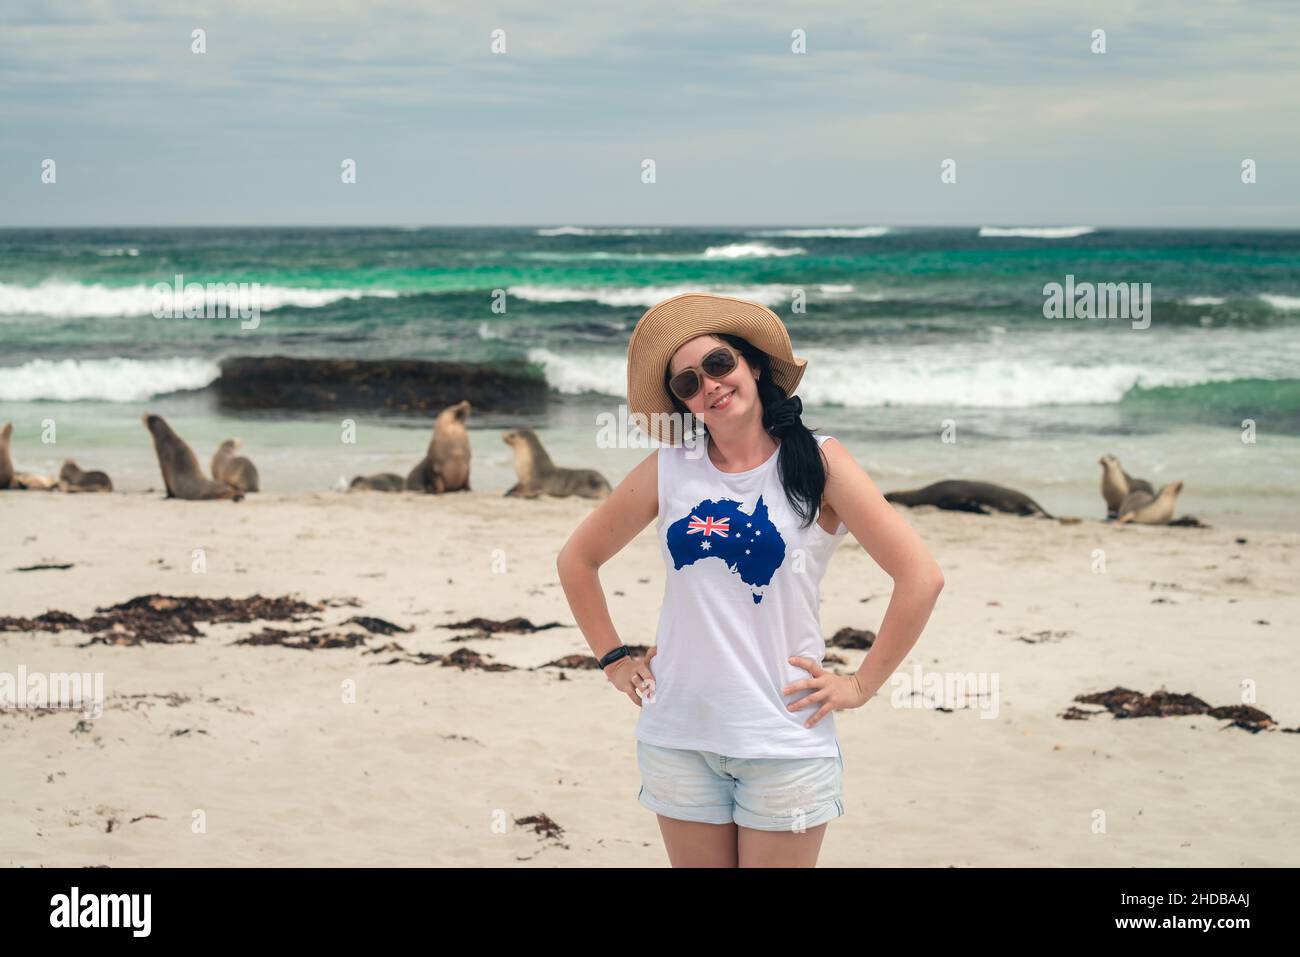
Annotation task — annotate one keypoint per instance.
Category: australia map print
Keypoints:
(749, 545)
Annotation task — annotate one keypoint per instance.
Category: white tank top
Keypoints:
(742, 596)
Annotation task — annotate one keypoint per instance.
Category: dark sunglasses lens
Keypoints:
(718, 363)
(685, 384)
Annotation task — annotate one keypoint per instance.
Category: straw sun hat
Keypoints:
(669, 324)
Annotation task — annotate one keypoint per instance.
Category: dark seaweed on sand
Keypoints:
(852, 638)
(491, 626)
(376, 626)
(462, 658)
(313, 639)
(164, 619)
(588, 662)
(1126, 703)
(542, 825)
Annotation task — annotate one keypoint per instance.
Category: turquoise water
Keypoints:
(904, 329)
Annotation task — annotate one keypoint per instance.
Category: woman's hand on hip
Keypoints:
(633, 676)
(831, 692)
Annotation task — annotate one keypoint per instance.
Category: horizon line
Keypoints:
(719, 226)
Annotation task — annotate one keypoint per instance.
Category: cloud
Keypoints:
(286, 90)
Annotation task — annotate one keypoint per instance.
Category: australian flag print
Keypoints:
(749, 545)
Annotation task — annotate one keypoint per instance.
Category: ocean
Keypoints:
(914, 336)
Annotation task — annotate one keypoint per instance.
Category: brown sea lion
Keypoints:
(234, 469)
(180, 469)
(73, 479)
(419, 479)
(6, 462)
(961, 496)
(445, 466)
(32, 482)
(1116, 483)
(1146, 509)
(538, 474)
(383, 482)
(19, 481)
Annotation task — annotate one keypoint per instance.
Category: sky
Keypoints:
(741, 129)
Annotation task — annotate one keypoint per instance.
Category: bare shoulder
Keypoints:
(846, 478)
(875, 523)
(639, 490)
(838, 458)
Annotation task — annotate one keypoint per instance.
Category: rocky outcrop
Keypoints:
(388, 385)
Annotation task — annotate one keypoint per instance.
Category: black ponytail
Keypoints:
(803, 473)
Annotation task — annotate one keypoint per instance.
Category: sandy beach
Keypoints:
(211, 753)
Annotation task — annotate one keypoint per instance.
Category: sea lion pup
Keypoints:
(961, 496)
(72, 479)
(180, 469)
(538, 474)
(234, 469)
(384, 482)
(1116, 483)
(1146, 509)
(6, 463)
(445, 466)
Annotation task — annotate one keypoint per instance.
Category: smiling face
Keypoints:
(737, 390)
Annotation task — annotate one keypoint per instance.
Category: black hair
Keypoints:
(803, 473)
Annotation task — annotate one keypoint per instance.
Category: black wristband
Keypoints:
(613, 656)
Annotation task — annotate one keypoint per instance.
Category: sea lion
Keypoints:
(445, 466)
(6, 463)
(1146, 509)
(32, 482)
(1116, 483)
(19, 481)
(234, 469)
(72, 479)
(961, 496)
(419, 479)
(384, 482)
(180, 469)
(538, 474)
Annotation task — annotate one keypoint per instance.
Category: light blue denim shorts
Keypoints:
(767, 794)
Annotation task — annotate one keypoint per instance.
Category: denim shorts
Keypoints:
(767, 794)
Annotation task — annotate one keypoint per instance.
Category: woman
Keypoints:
(736, 741)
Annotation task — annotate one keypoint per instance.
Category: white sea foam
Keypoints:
(572, 374)
(105, 380)
(61, 299)
(597, 231)
(750, 251)
(1035, 232)
(729, 251)
(1285, 303)
(1204, 301)
(973, 376)
(131, 251)
(643, 295)
(828, 232)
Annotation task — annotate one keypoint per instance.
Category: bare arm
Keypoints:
(632, 506)
(897, 549)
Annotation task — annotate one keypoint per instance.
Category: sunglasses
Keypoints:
(715, 364)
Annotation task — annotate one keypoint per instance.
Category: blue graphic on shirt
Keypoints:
(750, 545)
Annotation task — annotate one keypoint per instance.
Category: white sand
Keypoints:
(432, 764)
